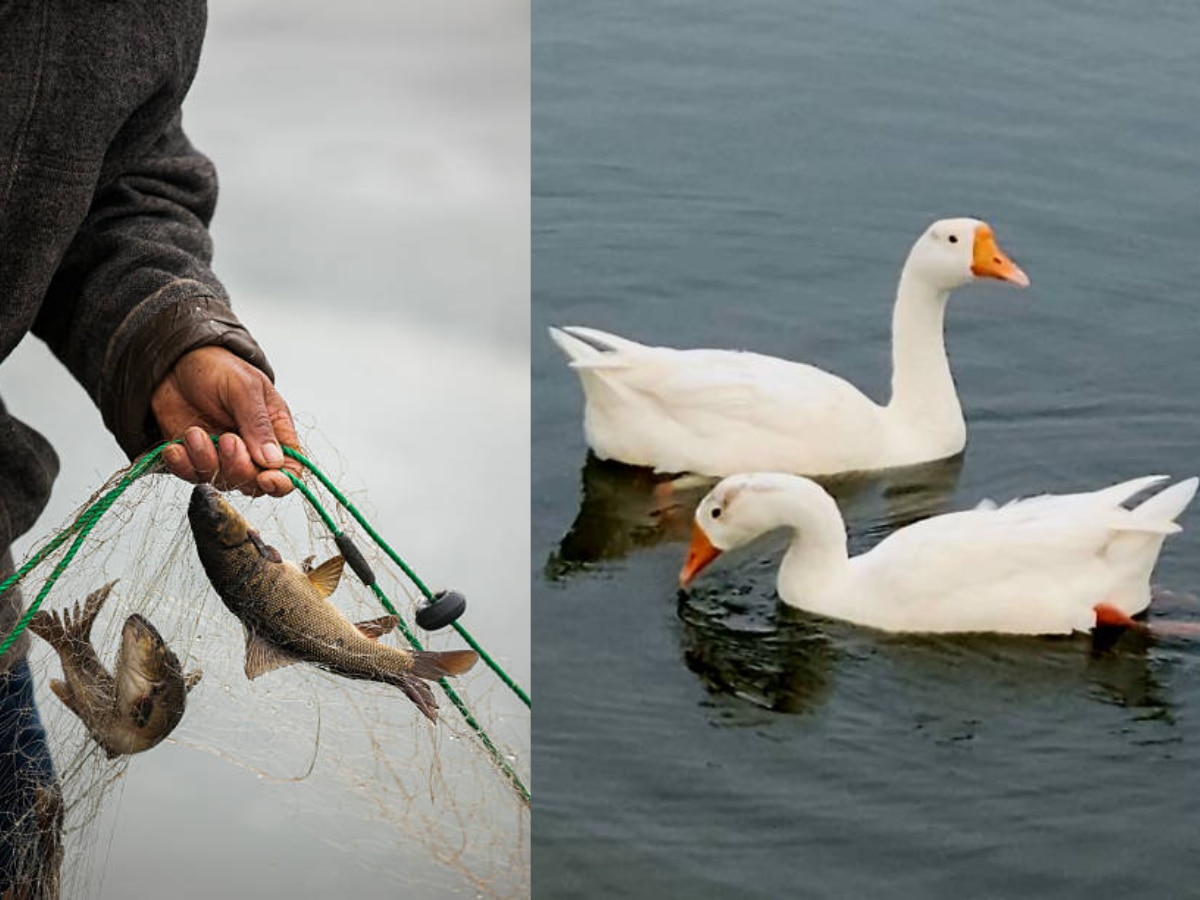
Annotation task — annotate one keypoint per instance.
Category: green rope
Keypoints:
(86, 521)
(412, 639)
(350, 508)
(83, 524)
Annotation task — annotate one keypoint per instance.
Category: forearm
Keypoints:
(159, 331)
(135, 290)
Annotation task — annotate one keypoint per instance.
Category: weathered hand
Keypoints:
(210, 391)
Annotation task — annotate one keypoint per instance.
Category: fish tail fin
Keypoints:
(419, 693)
(79, 625)
(47, 625)
(74, 624)
(437, 664)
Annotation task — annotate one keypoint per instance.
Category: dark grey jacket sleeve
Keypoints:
(134, 291)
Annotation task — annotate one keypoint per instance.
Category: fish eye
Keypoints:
(953, 239)
(716, 512)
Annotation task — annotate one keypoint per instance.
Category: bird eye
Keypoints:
(953, 239)
(716, 512)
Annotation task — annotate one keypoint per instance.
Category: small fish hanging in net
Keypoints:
(153, 582)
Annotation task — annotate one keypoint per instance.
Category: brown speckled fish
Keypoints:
(141, 702)
(288, 616)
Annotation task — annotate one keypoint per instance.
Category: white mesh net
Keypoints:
(375, 780)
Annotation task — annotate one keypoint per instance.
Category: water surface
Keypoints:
(754, 179)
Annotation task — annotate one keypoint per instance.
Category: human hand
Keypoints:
(210, 391)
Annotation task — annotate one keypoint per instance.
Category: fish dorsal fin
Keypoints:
(192, 678)
(262, 657)
(326, 576)
(377, 628)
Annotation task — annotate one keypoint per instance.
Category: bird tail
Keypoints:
(1158, 514)
(1119, 493)
(587, 348)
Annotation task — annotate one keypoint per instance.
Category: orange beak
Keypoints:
(989, 261)
(700, 554)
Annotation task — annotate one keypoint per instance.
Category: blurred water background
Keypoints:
(373, 233)
(753, 177)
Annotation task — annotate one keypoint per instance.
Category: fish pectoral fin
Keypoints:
(141, 710)
(377, 628)
(265, 550)
(262, 657)
(326, 576)
(49, 627)
(192, 678)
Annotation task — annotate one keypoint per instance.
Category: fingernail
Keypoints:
(272, 454)
(195, 439)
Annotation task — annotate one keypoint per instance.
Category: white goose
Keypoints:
(1045, 565)
(717, 412)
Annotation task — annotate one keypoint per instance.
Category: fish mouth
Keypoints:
(205, 505)
(139, 630)
(144, 654)
(211, 515)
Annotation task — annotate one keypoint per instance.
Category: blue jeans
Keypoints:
(25, 764)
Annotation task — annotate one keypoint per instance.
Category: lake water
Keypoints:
(373, 231)
(753, 177)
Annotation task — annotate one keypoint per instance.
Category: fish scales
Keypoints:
(287, 615)
(141, 702)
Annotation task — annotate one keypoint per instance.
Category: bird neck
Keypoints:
(923, 392)
(817, 557)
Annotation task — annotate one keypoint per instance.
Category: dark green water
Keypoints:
(753, 177)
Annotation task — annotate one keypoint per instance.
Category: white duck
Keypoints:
(717, 412)
(1046, 565)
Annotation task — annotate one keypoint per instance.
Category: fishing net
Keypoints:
(430, 808)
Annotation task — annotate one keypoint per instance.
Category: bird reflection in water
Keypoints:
(624, 509)
(740, 643)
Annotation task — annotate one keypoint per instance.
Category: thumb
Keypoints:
(254, 420)
(280, 416)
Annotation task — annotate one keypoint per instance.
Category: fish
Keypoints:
(138, 705)
(288, 617)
